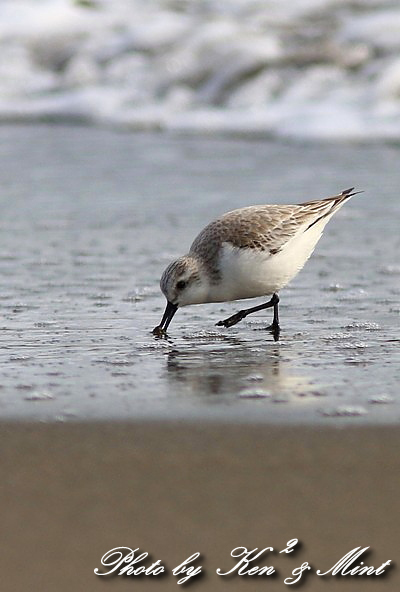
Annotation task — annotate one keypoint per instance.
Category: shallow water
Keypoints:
(90, 218)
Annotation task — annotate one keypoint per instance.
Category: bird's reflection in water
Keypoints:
(232, 369)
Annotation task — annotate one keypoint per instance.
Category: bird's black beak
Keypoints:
(168, 315)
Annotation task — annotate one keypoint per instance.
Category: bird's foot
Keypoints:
(275, 330)
(159, 332)
(230, 321)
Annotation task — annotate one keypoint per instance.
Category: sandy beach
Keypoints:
(73, 492)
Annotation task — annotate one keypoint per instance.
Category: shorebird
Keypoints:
(249, 252)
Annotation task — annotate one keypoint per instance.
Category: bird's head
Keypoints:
(183, 282)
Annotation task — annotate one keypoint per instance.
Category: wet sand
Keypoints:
(92, 218)
(72, 492)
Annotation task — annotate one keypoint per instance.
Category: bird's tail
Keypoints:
(337, 199)
(328, 206)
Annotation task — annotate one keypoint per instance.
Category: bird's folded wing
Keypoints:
(265, 227)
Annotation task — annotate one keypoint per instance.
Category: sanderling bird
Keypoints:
(249, 252)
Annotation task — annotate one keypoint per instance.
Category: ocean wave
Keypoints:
(310, 69)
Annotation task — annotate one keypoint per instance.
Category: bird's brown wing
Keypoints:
(265, 227)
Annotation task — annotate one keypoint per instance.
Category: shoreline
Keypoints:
(220, 133)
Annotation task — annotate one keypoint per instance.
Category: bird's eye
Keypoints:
(181, 285)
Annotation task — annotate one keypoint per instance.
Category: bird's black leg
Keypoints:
(236, 318)
(275, 328)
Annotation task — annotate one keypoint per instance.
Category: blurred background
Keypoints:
(304, 68)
